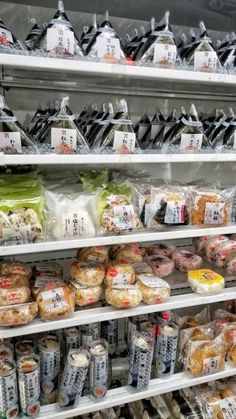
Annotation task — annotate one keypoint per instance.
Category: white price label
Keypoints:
(165, 54)
(74, 226)
(5, 37)
(54, 300)
(175, 212)
(191, 142)
(61, 41)
(108, 48)
(124, 217)
(228, 407)
(211, 365)
(63, 140)
(124, 142)
(122, 279)
(205, 61)
(214, 213)
(10, 141)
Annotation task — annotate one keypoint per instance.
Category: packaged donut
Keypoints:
(96, 254)
(162, 250)
(222, 251)
(212, 244)
(89, 274)
(85, 295)
(123, 296)
(154, 290)
(185, 261)
(161, 265)
(205, 281)
(119, 273)
(55, 303)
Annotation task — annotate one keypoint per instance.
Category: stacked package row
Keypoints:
(156, 45)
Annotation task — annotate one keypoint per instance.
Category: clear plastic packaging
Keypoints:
(96, 254)
(230, 263)
(216, 403)
(119, 273)
(222, 251)
(16, 295)
(55, 303)
(45, 283)
(47, 269)
(18, 315)
(15, 268)
(161, 265)
(128, 296)
(154, 290)
(142, 268)
(85, 295)
(186, 261)
(205, 281)
(8, 41)
(200, 244)
(13, 281)
(162, 250)
(88, 274)
(196, 333)
(211, 245)
(130, 253)
(32, 35)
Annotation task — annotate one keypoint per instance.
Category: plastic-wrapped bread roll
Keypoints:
(85, 295)
(222, 251)
(162, 250)
(186, 261)
(128, 296)
(17, 295)
(131, 253)
(15, 268)
(96, 254)
(119, 273)
(161, 265)
(87, 273)
(154, 290)
(17, 315)
(55, 303)
(212, 244)
(205, 281)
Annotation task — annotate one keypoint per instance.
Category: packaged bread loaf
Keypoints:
(216, 403)
(18, 314)
(85, 295)
(89, 274)
(16, 295)
(205, 281)
(96, 254)
(119, 273)
(185, 261)
(55, 303)
(126, 296)
(162, 250)
(154, 290)
(161, 265)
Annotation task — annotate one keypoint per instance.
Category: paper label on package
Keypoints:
(205, 61)
(54, 300)
(153, 282)
(124, 142)
(10, 141)
(5, 37)
(74, 225)
(122, 279)
(211, 365)
(228, 407)
(175, 211)
(60, 41)
(124, 217)
(18, 235)
(63, 139)
(191, 142)
(214, 213)
(108, 48)
(165, 54)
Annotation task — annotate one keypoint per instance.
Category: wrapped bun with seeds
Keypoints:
(123, 296)
(130, 253)
(89, 274)
(119, 273)
(85, 295)
(55, 303)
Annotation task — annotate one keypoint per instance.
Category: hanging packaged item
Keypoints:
(73, 377)
(70, 216)
(116, 212)
(33, 35)
(9, 407)
(29, 385)
(61, 133)
(98, 369)
(106, 45)
(13, 137)
(140, 361)
(160, 48)
(59, 38)
(8, 39)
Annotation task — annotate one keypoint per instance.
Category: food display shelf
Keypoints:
(88, 316)
(123, 395)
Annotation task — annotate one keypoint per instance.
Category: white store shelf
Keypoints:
(144, 236)
(127, 394)
(105, 313)
(111, 159)
(113, 70)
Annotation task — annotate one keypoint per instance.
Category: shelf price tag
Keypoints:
(191, 142)
(60, 41)
(10, 142)
(124, 142)
(205, 61)
(108, 49)
(63, 140)
(165, 54)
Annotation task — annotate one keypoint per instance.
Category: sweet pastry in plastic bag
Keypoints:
(119, 273)
(162, 250)
(55, 303)
(18, 314)
(211, 245)
(222, 251)
(85, 295)
(161, 265)
(186, 261)
(201, 318)
(131, 253)
(15, 268)
(206, 357)
(96, 254)
(87, 273)
(196, 333)
(17, 295)
(205, 281)
(124, 296)
(154, 290)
